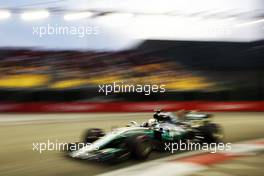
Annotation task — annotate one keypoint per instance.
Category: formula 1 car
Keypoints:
(138, 141)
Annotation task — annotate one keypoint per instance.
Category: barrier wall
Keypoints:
(131, 106)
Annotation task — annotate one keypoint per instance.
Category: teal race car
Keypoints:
(139, 140)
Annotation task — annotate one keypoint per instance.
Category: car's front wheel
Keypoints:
(211, 133)
(140, 146)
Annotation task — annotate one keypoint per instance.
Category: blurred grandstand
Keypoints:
(234, 72)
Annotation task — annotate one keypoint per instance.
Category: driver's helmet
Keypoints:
(160, 115)
(158, 110)
(157, 113)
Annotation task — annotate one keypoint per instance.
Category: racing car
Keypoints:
(139, 140)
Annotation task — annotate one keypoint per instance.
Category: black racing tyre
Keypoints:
(92, 135)
(139, 146)
(212, 133)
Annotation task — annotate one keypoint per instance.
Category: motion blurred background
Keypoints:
(206, 50)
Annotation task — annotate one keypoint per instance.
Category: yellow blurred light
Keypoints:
(68, 84)
(23, 81)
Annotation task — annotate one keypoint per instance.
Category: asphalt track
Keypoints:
(19, 132)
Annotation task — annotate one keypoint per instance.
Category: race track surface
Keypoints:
(19, 132)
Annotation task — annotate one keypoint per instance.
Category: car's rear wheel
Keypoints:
(211, 133)
(140, 147)
(92, 135)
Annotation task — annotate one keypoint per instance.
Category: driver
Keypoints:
(162, 116)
